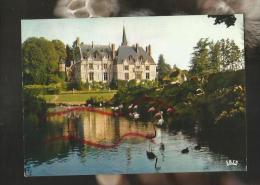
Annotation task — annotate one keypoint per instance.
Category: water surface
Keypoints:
(48, 154)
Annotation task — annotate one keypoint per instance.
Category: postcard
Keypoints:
(131, 95)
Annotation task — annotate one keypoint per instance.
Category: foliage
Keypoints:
(224, 80)
(163, 69)
(231, 55)
(69, 54)
(218, 104)
(76, 50)
(60, 49)
(113, 84)
(229, 20)
(40, 60)
(200, 59)
(213, 57)
(74, 85)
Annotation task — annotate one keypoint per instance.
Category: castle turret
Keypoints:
(148, 50)
(113, 51)
(124, 39)
(136, 47)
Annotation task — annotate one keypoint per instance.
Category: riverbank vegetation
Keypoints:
(211, 98)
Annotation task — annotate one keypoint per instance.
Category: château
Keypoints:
(104, 63)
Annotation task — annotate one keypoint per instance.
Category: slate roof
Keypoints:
(97, 51)
(124, 52)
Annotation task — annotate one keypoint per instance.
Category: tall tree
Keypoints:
(163, 68)
(200, 59)
(76, 50)
(231, 55)
(60, 49)
(214, 56)
(69, 54)
(40, 61)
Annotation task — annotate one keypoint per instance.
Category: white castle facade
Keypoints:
(102, 63)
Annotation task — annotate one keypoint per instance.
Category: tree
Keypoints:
(200, 62)
(69, 54)
(214, 56)
(76, 50)
(40, 61)
(60, 49)
(231, 55)
(163, 69)
(229, 20)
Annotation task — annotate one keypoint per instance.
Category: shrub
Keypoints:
(74, 85)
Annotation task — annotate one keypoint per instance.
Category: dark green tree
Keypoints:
(60, 49)
(69, 54)
(214, 57)
(40, 61)
(200, 59)
(228, 20)
(76, 50)
(164, 69)
(231, 55)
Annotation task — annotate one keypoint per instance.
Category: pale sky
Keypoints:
(172, 36)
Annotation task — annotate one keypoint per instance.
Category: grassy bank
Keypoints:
(78, 97)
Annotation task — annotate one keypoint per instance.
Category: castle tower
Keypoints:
(124, 40)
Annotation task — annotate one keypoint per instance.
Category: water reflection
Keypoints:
(132, 154)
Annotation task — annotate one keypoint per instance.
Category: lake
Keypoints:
(87, 142)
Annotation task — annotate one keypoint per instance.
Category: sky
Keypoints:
(172, 36)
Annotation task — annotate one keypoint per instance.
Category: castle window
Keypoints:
(105, 76)
(138, 76)
(147, 68)
(126, 76)
(130, 57)
(141, 58)
(105, 66)
(91, 76)
(147, 76)
(126, 68)
(90, 66)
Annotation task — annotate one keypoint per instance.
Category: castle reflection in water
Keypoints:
(97, 127)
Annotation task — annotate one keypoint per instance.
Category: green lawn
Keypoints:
(79, 96)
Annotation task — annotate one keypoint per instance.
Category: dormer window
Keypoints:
(141, 58)
(130, 57)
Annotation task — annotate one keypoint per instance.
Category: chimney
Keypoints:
(113, 51)
(136, 47)
(149, 50)
(92, 44)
